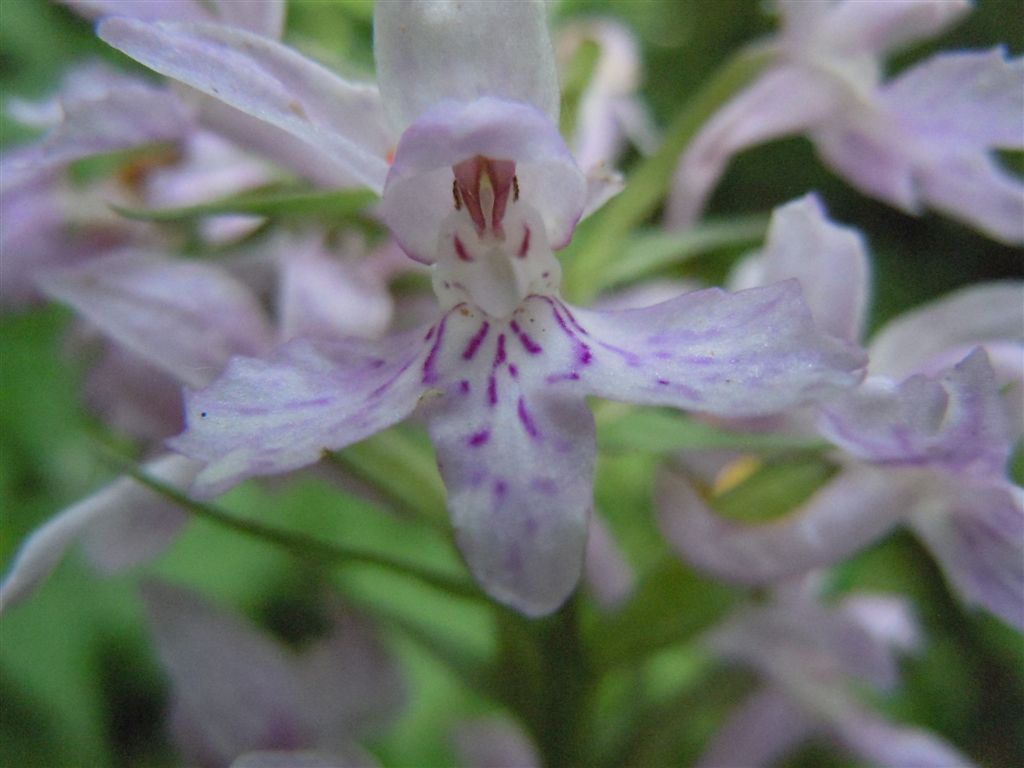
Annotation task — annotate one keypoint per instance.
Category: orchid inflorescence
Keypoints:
(415, 278)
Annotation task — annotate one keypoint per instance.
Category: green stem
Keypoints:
(598, 243)
(300, 544)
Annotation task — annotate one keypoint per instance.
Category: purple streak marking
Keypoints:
(557, 377)
(500, 489)
(529, 344)
(476, 341)
(513, 371)
(464, 387)
(499, 354)
(492, 389)
(527, 420)
(429, 374)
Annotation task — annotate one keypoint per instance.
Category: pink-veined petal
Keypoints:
(519, 469)
(185, 318)
(829, 260)
(272, 416)
(784, 101)
(126, 501)
(430, 51)
(268, 81)
(743, 354)
(976, 532)
(762, 730)
(233, 689)
(418, 193)
(973, 98)
(854, 509)
(965, 318)
(957, 421)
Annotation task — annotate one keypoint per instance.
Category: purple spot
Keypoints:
(476, 341)
(662, 354)
(663, 382)
(583, 354)
(500, 489)
(479, 438)
(527, 420)
(513, 371)
(464, 387)
(546, 274)
(429, 374)
(377, 363)
(528, 344)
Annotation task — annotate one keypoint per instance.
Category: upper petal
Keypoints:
(271, 416)
(957, 422)
(829, 260)
(418, 193)
(199, 315)
(743, 354)
(343, 120)
(430, 51)
(974, 98)
(965, 318)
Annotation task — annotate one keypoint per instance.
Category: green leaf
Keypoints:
(662, 431)
(671, 604)
(647, 252)
(334, 204)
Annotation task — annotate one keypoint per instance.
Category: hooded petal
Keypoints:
(185, 318)
(743, 354)
(233, 689)
(271, 416)
(957, 421)
(785, 101)
(829, 260)
(430, 51)
(343, 120)
(519, 468)
(856, 508)
(962, 319)
(763, 729)
(977, 535)
(124, 501)
(418, 193)
(973, 98)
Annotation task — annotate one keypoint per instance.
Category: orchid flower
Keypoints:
(922, 139)
(483, 188)
(809, 654)
(239, 698)
(926, 437)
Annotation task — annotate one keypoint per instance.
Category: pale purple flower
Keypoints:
(494, 742)
(924, 139)
(810, 656)
(240, 698)
(925, 438)
(481, 186)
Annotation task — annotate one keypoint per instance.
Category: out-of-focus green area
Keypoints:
(78, 683)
